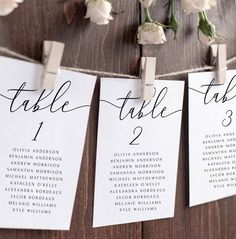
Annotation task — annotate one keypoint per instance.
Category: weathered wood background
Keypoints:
(112, 48)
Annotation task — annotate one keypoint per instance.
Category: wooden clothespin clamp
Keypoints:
(52, 56)
(219, 60)
(148, 71)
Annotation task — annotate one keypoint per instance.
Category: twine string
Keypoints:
(11, 53)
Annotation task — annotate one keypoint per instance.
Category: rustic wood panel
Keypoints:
(108, 48)
(213, 220)
(111, 48)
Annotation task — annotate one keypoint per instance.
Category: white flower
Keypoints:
(98, 11)
(7, 6)
(207, 40)
(197, 5)
(146, 3)
(151, 33)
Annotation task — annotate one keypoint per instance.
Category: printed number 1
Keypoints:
(36, 135)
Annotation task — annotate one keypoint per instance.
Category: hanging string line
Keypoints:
(11, 53)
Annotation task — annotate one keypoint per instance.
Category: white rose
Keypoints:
(146, 3)
(98, 11)
(7, 6)
(151, 33)
(207, 40)
(197, 5)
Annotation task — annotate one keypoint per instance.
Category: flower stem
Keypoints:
(173, 21)
(147, 15)
(162, 25)
(171, 7)
(201, 16)
(205, 15)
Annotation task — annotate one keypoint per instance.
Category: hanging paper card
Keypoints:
(212, 137)
(42, 136)
(137, 152)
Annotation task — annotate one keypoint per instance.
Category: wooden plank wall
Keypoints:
(112, 48)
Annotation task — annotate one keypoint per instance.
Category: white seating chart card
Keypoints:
(212, 137)
(42, 136)
(137, 152)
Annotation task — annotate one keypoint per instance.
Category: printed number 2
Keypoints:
(227, 121)
(137, 132)
(36, 135)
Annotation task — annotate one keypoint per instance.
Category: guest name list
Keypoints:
(212, 137)
(137, 152)
(34, 180)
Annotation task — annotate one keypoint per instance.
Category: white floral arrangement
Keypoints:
(99, 11)
(196, 6)
(152, 32)
(207, 33)
(8, 6)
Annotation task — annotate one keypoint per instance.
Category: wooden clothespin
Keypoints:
(148, 71)
(52, 56)
(219, 60)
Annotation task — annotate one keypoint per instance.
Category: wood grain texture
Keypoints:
(107, 48)
(111, 48)
(213, 220)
